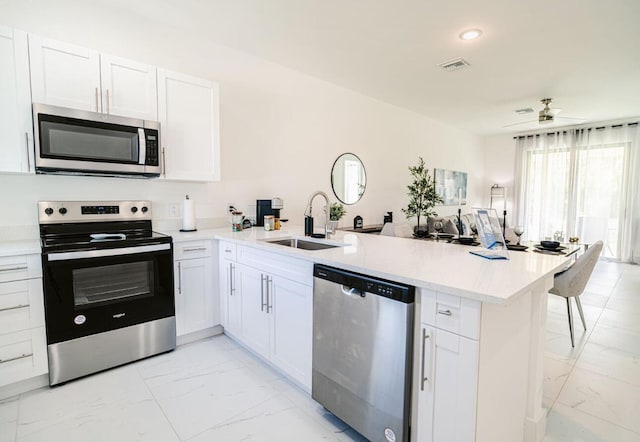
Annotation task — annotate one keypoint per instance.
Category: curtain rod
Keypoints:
(520, 137)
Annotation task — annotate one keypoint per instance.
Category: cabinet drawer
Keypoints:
(192, 249)
(291, 268)
(227, 250)
(15, 346)
(22, 355)
(14, 268)
(21, 305)
(452, 313)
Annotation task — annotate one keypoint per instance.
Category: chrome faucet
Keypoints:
(326, 209)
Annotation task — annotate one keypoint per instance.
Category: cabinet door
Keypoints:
(188, 114)
(64, 74)
(253, 287)
(447, 386)
(230, 298)
(128, 88)
(194, 295)
(16, 132)
(291, 315)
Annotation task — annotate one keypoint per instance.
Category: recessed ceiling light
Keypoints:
(470, 34)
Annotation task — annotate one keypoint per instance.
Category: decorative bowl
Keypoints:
(465, 240)
(550, 244)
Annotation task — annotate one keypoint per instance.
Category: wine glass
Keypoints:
(518, 230)
(438, 226)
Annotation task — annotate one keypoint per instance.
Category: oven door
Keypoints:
(89, 292)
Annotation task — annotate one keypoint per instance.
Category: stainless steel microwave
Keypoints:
(71, 141)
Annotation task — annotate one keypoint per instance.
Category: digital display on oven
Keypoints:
(99, 210)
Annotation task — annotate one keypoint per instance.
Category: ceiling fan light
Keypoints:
(470, 34)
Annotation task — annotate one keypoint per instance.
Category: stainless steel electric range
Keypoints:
(108, 286)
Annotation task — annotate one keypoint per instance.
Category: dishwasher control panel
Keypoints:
(364, 283)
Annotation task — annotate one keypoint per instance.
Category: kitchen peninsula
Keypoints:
(479, 324)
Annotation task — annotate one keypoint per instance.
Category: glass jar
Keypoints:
(269, 222)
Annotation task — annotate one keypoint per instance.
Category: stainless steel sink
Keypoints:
(303, 243)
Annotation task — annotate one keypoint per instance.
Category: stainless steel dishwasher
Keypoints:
(362, 351)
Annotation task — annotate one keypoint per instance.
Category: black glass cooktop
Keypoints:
(91, 236)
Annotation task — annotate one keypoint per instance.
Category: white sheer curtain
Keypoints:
(584, 183)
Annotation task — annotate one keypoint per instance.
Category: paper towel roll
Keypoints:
(188, 214)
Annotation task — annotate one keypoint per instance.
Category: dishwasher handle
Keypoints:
(352, 291)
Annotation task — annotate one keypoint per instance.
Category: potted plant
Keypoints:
(336, 211)
(422, 195)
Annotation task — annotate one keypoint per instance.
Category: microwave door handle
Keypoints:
(142, 143)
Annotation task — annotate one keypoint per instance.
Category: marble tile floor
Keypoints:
(214, 390)
(592, 391)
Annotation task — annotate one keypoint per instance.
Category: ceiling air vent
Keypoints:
(452, 65)
(526, 110)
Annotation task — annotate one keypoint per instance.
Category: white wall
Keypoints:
(280, 130)
(499, 168)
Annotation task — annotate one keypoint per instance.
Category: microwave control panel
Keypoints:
(151, 141)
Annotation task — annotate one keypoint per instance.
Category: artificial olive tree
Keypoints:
(422, 193)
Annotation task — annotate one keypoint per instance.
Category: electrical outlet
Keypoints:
(174, 210)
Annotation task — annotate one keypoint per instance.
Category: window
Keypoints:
(580, 183)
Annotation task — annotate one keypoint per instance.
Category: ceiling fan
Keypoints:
(547, 115)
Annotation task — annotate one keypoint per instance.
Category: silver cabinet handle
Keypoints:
(269, 300)
(97, 110)
(262, 280)
(446, 312)
(26, 137)
(107, 101)
(424, 377)
(164, 164)
(14, 307)
(13, 269)
(2, 361)
(196, 249)
(227, 250)
(179, 278)
(232, 271)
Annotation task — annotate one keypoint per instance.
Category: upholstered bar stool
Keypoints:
(571, 282)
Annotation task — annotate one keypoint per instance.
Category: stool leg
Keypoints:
(580, 311)
(570, 320)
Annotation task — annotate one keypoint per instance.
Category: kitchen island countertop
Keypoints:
(441, 266)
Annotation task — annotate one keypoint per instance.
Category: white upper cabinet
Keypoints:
(16, 132)
(188, 110)
(75, 77)
(130, 88)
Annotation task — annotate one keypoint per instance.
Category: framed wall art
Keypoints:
(451, 186)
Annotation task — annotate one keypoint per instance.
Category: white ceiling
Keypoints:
(585, 54)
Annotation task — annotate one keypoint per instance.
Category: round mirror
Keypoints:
(348, 178)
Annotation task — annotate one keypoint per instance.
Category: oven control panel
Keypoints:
(99, 210)
(83, 211)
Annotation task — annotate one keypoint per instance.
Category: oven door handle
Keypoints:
(66, 256)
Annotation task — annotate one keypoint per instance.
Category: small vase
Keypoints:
(333, 225)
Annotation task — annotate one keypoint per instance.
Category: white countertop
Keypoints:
(20, 247)
(441, 266)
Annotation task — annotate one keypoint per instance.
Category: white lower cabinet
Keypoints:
(196, 308)
(253, 290)
(269, 313)
(446, 369)
(291, 331)
(23, 344)
(447, 386)
(230, 301)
